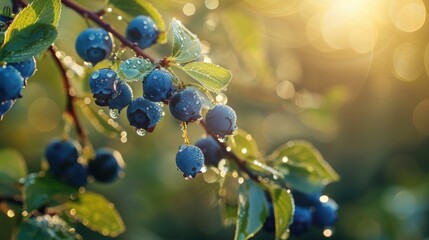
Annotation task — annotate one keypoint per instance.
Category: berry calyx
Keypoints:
(211, 149)
(11, 83)
(186, 105)
(221, 120)
(144, 114)
(190, 160)
(158, 85)
(94, 45)
(143, 31)
(106, 165)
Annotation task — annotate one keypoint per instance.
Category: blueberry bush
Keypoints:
(280, 192)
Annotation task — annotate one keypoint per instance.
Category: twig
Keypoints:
(70, 95)
(96, 18)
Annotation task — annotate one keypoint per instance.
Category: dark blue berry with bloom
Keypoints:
(211, 149)
(158, 85)
(186, 105)
(143, 31)
(325, 214)
(61, 154)
(94, 45)
(76, 175)
(189, 160)
(123, 98)
(103, 85)
(4, 107)
(26, 68)
(106, 165)
(221, 120)
(144, 114)
(11, 83)
(305, 199)
(301, 221)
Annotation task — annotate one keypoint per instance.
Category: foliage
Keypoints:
(50, 206)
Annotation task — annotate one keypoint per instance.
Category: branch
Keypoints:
(70, 95)
(95, 17)
(8, 199)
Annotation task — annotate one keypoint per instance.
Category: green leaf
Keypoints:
(213, 77)
(28, 42)
(12, 168)
(283, 206)
(39, 11)
(252, 210)
(45, 191)
(96, 213)
(303, 166)
(46, 228)
(244, 145)
(186, 45)
(142, 7)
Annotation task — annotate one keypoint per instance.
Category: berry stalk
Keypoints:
(95, 17)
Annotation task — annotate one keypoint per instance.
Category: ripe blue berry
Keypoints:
(270, 224)
(103, 85)
(106, 165)
(76, 175)
(144, 114)
(4, 22)
(123, 98)
(189, 160)
(94, 45)
(143, 31)
(26, 68)
(304, 199)
(211, 149)
(221, 120)
(301, 221)
(186, 105)
(61, 154)
(325, 214)
(4, 107)
(158, 85)
(11, 83)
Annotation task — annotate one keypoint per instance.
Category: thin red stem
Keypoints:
(95, 17)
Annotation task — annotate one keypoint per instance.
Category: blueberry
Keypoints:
(61, 154)
(123, 98)
(5, 22)
(325, 214)
(11, 83)
(189, 160)
(305, 199)
(158, 85)
(106, 165)
(144, 114)
(135, 68)
(76, 175)
(221, 120)
(26, 68)
(301, 221)
(4, 107)
(143, 31)
(94, 45)
(186, 105)
(103, 85)
(270, 224)
(211, 149)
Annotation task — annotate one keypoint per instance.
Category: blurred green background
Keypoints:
(351, 76)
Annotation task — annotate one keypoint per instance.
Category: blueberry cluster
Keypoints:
(310, 210)
(65, 162)
(110, 89)
(13, 78)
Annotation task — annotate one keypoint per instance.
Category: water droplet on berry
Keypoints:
(95, 75)
(91, 37)
(88, 64)
(203, 169)
(189, 177)
(197, 102)
(182, 147)
(114, 113)
(109, 74)
(141, 132)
